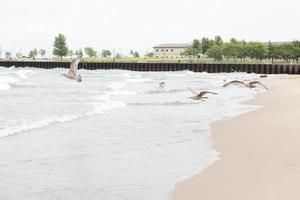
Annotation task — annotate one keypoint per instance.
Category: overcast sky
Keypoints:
(140, 24)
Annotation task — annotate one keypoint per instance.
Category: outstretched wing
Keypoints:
(74, 67)
(257, 82)
(201, 94)
(233, 82)
(193, 91)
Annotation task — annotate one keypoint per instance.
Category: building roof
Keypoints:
(174, 45)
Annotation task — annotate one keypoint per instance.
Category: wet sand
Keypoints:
(259, 151)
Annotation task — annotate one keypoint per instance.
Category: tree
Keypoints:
(149, 55)
(60, 47)
(42, 52)
(286, 51)
(118, 56)
(190, 51)
(197, 48)
(8, 55)
(33, 53)
(105, 53)
(270, 51)
(79, 53)
(90, 52)
(256, 50)
(136, 54)
(296, 45)
(218, 40)
(231, 50)
(215, 52)
(205, 44)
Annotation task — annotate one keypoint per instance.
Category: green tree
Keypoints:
(270, 51)
(90, 52)
(149, 55)
(296, 45)
(231, 50)
(105, 53)
(136, 54)
(215, 52)
(197, 48)
(218, 40)
(257, 50)
(33, 53)
(79, 53)
(42, 52)
(118, 56)
(206, 44)
(286, 51)
(190, 51)
(60, 47)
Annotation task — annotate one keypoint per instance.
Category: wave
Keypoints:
(9, 79)
(174, 103)
(8, 131)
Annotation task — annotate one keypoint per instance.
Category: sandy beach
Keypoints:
(259, 151)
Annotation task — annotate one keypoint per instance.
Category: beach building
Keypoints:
(170, 50)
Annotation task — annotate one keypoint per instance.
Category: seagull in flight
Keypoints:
(72, 74)
(251, 84)
(200, 95)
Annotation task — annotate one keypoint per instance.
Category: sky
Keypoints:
(122, 25)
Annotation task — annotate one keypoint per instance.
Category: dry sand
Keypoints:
(259, 151)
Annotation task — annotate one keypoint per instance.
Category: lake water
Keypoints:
(114, 136)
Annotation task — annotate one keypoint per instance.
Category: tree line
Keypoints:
(60, 49)
(218, 50)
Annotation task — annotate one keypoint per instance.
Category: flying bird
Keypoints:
(200, 96)
(161, 85)
(251, 84)
(72, 74)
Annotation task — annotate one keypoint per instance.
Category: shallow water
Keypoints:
(114, 136)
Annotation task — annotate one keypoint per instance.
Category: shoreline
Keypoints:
(260, 162)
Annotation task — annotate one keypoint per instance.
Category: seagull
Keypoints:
(200, 96)
(72, 74)
(251, 84)
(161, 86)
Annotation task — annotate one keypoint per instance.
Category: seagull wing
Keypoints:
(74, 67)
(233, 82)
(257, 82)
(201, 94)
(193, 91)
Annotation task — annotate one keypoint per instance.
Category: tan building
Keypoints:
(170, 50)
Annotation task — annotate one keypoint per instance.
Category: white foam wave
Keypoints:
(6, 81)
(8, 131)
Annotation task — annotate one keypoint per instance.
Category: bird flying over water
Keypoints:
(161, 87)
(251, 84)
(72, 74)
(200, 95)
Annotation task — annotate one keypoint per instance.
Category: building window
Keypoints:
(167, 49)
(156, 50)
(162, 50)
(172, 50)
